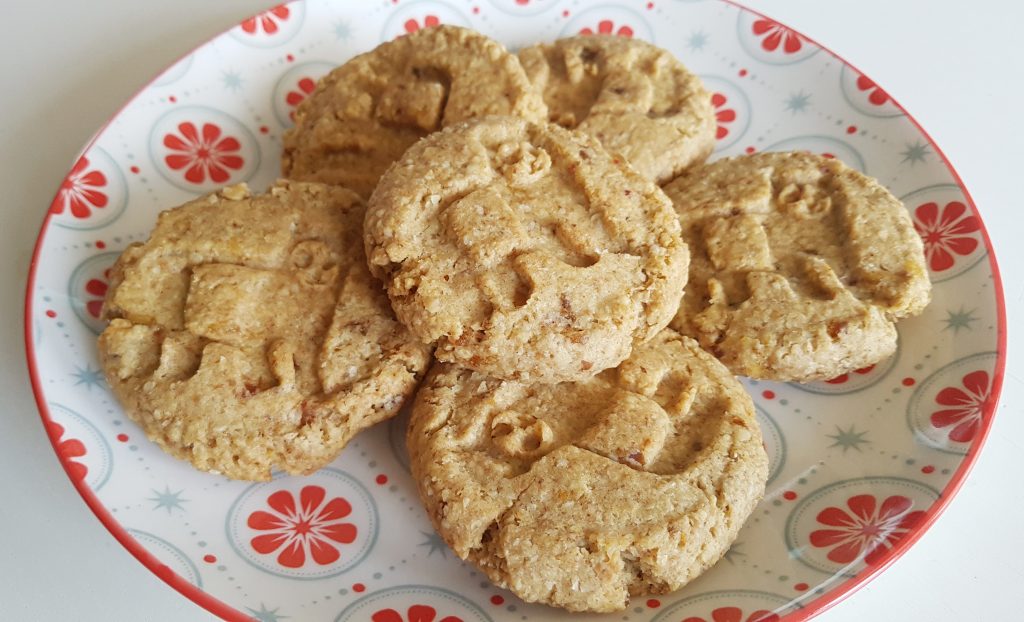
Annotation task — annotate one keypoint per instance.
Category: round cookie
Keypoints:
(247, 335)
(583, 494)
(800, 265)
(524, 250)
(637, 99)
(366, 113)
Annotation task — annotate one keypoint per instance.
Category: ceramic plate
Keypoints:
(860, 465)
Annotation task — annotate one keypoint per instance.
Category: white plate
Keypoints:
(861, 465)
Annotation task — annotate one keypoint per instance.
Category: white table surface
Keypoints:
(69, 65)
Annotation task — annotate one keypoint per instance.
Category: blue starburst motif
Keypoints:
(798, 102)
(698, 39)
(232, 80)
(915, 152)
(89, 377)
(342, 30)
(168, 500)
(959, 319)
(734, 553)
(848, 439)
(266, 615)
(435, 543)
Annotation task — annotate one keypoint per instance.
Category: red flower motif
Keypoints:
(96, 290)
(841, 379)
(866, 528)
(68, 449)
(722, 114)
(735, 614)
(411, 25)
(775, 33)
(204, 154)
(267, 19)
(876, 95)
(304, 530)
(304, 86)
(946, 233)
(79, 191)
(417, 613)
(607, 27)
(967, 407)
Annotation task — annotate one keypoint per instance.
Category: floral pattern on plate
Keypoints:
(860, 464)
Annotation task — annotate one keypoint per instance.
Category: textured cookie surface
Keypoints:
(366, 113)
(800, 265)
(637, 99)
(246, 334)
(524, 250)
(580, 495)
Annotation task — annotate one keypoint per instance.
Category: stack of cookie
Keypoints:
(566, 441)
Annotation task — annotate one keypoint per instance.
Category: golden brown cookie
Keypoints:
(366, 113)
(247, 335)
(524, 250)
(800, 267)
(580, 495)
(637, 99)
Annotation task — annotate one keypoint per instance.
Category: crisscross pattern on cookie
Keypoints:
(800, 265)
(637, 99)
(246, 333)
(524, 250)
(366, 113)
(580, 494)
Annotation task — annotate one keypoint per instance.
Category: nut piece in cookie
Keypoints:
(366, 113)
(637, 99)
(246, 333)
(525, 251)
(800, 268)
(581, 495)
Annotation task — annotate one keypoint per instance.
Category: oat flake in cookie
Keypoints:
(637, 99)
(801, 265)
(580, 495)
(247, 335)
(525, 251)
(366, 113)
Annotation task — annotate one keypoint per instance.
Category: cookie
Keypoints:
(637, 99)
(524, 250)
(801, 265)
(366, 113)
(580, 495)
(247, 335)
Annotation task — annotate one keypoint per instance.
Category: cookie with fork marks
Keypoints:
(801, 265)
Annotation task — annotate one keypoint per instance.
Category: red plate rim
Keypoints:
(806, 612)
(837, 594)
